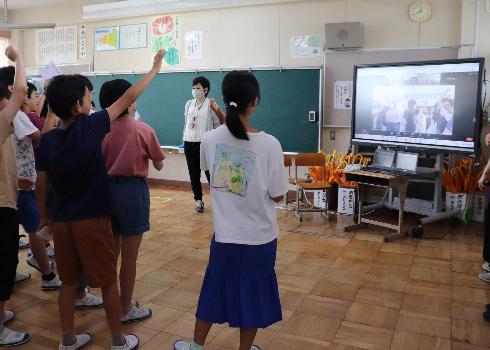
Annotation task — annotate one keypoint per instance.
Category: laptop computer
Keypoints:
(383, 160)
(406, 163)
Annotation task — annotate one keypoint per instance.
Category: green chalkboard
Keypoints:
(286, 98)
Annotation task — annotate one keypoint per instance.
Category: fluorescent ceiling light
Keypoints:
(133, 8)
(13, 26)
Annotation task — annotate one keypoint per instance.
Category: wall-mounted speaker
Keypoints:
(343, 36)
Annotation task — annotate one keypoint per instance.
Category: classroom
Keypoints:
(245, 174)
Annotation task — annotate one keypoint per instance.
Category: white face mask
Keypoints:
(197, 94)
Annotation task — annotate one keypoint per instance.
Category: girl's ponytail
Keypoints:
(240, 89)
(233, 121)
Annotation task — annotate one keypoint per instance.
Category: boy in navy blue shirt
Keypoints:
(70, 159)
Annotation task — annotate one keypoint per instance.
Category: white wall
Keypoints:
(259, 35)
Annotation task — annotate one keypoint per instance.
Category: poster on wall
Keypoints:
(133, 36)
(59, 45)
(193, 45)
(83, 42)
(106, 38)
(166, 34)
(305, 46)
(342, 94)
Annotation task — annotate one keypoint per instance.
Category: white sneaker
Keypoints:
(23, 244)
(54, 284)
(132, 342)
(255, 347)
(8, 316)
(199, 206)
(82, 340)
(486, 266)
(50, 251)
(485, 276)
(182, 345)
(89, 301)
(9, 338)
(21, 277)
(136, 314)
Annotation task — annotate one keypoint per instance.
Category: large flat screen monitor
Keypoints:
(431, 105)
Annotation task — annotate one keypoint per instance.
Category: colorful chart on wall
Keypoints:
(106, 39)
(166, 34)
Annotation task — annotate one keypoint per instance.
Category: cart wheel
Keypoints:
(354, 218)
(418, 232)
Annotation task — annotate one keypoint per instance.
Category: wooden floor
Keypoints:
(339, 291)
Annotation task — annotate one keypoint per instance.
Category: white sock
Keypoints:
(195, 346)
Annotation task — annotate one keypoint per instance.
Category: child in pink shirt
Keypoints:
(128, 148)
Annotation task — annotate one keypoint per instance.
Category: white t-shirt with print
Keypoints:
(244, 177)
(22, 143)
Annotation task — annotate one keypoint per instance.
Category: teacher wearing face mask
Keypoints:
(201, 114)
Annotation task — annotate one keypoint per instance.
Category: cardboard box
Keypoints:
(347, 201)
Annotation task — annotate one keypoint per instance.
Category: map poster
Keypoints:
(106, 38)
(166, 34)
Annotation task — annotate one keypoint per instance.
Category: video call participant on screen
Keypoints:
(393, 118)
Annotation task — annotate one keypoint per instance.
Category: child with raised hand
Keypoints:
(127, 149)
(247, 179)
(24, 138)
(70, 159)
(9, 235)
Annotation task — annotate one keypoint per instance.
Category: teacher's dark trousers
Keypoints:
(192, 151)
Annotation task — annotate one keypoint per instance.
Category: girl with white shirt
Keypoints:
(248, 178)
(201, 114)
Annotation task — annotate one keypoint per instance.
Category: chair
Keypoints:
(288, 163)
(310, 160)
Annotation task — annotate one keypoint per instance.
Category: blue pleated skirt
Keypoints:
(240, 286)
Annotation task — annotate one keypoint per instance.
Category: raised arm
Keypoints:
(42, 98)
(219, 113)
(50, 123)
(136, 90)
(20, 86)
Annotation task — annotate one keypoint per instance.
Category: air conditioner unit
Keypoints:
(344, 36)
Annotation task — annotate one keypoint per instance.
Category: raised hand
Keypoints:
(214, 106)
(11, 53)
(157, 60)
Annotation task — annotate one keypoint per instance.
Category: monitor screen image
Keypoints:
(433, 105)
(383, 158)
(406, 161)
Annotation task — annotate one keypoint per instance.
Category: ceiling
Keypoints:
(24, 4)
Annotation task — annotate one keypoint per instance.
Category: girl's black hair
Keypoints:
(204, 83)
(240, 89)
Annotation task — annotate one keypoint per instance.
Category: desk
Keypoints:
(371, 179)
